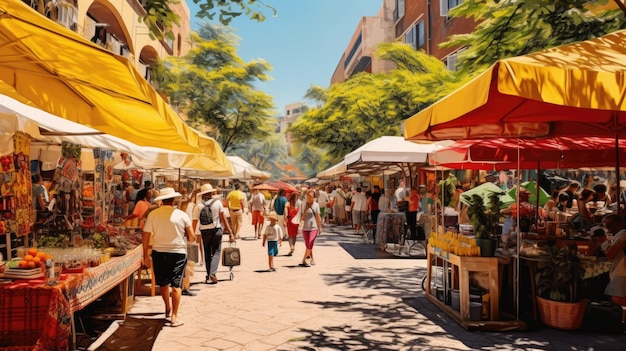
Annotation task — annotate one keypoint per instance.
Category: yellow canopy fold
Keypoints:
(573, 90)
(58, 71)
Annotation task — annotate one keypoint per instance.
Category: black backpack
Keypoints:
(206, 215)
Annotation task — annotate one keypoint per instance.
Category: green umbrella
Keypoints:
(485, 190)
(531, 186)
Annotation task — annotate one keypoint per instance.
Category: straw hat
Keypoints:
(206, 188)
(167, 193)
(272, 215)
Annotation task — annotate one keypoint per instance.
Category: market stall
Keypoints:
(547, 94)
(36, 316)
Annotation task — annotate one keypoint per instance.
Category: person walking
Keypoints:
(211, 233)
(171, 229)
(291, 211)
(273, 236)
(358, 206)
(257, 206)
(323, 199)
(312, 226)
(235, 201)
(279, 208)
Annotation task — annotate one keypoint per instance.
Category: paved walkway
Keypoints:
(342, 303)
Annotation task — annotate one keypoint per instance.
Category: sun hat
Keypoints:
(272, 215)
(206, 188)
(167, 193)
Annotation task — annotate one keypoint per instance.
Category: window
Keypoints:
(452, 60)
(355, 47)
(447, 5)
(398, 12)
(415, 36)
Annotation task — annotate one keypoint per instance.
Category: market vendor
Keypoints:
(583, 220)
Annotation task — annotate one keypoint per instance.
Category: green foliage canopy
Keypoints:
(368, 106)
(215, 88)
(510, 28)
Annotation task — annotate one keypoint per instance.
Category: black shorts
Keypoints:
(168, 268)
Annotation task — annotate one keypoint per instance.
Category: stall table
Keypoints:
(34, 316)
(463, 266)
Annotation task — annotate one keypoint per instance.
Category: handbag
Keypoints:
(193, 252)
(231, 256)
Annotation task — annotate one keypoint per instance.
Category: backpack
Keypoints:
(206, 215)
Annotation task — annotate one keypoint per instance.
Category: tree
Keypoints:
(368, 106)
(230, 9)
(510, 28)
(160, 18)
(265, 154)
(215, 88)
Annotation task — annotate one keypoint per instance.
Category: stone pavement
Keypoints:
(342, 303)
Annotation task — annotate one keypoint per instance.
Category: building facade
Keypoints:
(424, 24)
(115, 25)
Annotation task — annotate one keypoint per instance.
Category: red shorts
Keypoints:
(257, 217)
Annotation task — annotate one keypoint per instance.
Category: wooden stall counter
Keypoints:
(463, 266)
(34, 316)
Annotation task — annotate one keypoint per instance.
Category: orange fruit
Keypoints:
(31, 264)
(22, 264)
(48, 257)
(28, 258)
(37, 259)
(32, 251)
(41, 255)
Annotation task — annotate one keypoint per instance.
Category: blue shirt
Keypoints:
(279, 205)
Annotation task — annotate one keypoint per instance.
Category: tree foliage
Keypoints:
(230, 9)
(510, 28)
(265, 154)
(159, 18)
(368, 106)
(215, 88)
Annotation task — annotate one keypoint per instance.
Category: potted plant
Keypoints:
(559, 273)
(485, 216)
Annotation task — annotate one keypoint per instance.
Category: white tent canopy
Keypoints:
(333, 171)
(17, 116)
(385, 155)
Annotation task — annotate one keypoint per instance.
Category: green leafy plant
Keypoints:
(559, 273)
(484, 217)
(447, 188)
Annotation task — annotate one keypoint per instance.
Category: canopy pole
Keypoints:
(537, 193)
(617, 175)
(519, 234)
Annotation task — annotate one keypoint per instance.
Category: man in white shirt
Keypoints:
(357, 208)
(257, 206)
(323, 199)
(170, 229)
(400, 196)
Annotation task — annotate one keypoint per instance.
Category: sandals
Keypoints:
(176, 324)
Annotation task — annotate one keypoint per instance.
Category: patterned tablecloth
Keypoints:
(34, 316)
(390, 228)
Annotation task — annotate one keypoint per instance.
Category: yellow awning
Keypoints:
(58, 71)
(573, 90)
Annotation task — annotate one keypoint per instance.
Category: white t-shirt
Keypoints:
(309, 216)
(273, 232)
(167, 224)
(360, 202)
(216, 208)
(258, 202)
(322, 198)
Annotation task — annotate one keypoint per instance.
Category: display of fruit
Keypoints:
(32, 259)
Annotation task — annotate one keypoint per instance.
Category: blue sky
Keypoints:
(303, 43)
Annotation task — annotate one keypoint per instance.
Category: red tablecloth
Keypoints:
(38, 317)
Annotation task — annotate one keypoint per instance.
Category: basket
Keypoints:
(562, 315)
